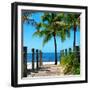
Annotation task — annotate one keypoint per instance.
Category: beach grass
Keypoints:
(71, 64)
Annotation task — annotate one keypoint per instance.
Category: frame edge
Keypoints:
(14, 44)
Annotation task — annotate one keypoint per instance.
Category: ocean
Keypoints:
(46, 57)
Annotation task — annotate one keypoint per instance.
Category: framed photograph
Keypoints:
(49, 44)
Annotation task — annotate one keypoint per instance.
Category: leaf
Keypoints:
(46, 39)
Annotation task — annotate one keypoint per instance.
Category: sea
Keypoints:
(46, 57)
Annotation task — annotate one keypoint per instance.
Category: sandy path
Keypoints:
(48, 70)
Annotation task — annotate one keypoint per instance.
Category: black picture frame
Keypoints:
(14, 43)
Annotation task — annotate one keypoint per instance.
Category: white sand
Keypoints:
(29, 65)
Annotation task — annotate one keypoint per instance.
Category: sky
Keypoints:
(36, 42)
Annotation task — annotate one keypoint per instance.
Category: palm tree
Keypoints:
(51, 27)
(73, 20)
(26, 17)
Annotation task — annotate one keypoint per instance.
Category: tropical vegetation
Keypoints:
(55, 25)
(52, 27)
(73, 20)
(71, 64)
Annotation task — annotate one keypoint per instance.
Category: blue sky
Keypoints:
(37, 43)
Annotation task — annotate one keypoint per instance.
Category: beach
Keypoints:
(47, 69)
(29, 64)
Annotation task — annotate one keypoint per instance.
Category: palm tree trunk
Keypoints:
(55, 44)
(74, 42)
(74, 38)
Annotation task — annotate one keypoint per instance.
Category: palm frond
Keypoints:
(37, 33)
(46, 17)
(46, 38)
(38, 26)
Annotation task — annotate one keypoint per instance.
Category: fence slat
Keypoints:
(70, 50)
(37, 59)
(25, 61)
(66, 52)
(40, 58)
(77, 52)
(33, 53)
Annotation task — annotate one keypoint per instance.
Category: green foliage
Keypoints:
(73, 18)
(52, 25)
(71, 64)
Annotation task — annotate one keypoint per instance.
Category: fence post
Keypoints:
(66, 52)
(77, 52)
(62, 53)
(70, 50)
(25, 61)
(37, 59)
(33, 53)
(77, 48)
(40, 58)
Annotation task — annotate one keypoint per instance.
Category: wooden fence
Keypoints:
(75, 50)
(36, 54)
(24, 62)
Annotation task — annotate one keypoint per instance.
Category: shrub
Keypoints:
(71, 64)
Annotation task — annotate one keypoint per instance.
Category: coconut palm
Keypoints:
(73, 20)
(51, 27)
(27, 18)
